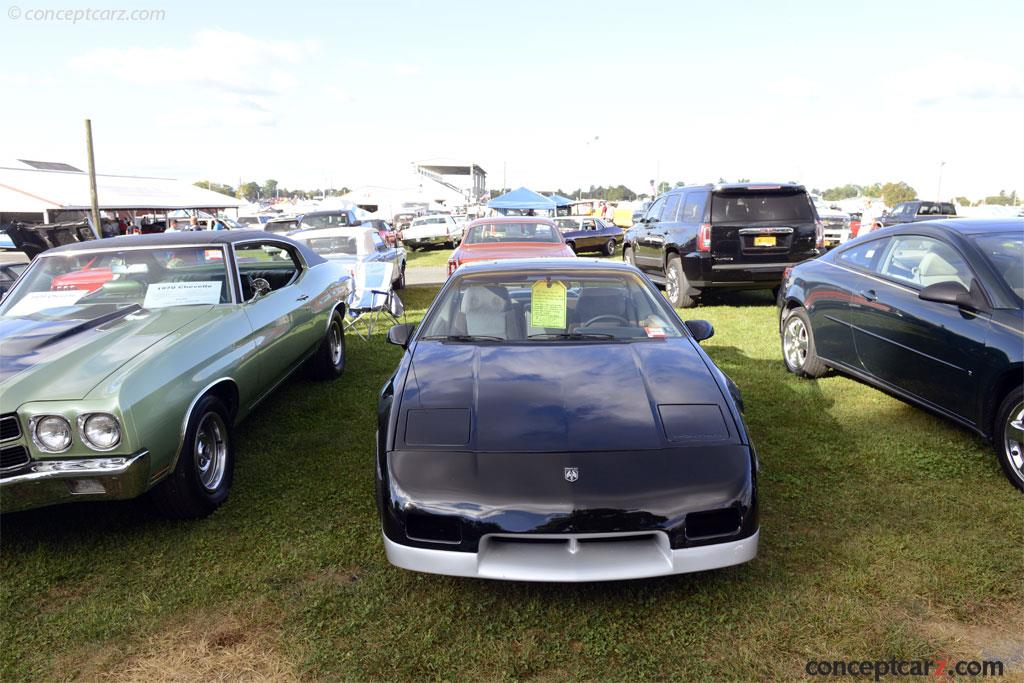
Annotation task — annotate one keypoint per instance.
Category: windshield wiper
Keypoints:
(463, 337)
(571, 335)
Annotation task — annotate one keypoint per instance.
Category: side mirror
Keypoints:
(952, 293)
(399, 335)
(700, 329)
(260, 288)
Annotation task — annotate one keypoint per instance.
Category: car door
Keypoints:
(924, 348)
(588, 239)
(282, 320)
(650, 239)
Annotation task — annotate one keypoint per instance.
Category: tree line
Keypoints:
(893, 193)
(269, 189)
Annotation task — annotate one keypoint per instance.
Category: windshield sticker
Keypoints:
(164, 294)
(655, 331)
(33, 302)
(547, 304)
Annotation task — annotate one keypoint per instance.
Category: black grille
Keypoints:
(13, 456)
(9, 427)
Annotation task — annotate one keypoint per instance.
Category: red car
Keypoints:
(89, 278)
(511, 237)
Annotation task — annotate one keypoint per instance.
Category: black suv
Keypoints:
(725, 236)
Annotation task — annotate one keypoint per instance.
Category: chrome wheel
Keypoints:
(210, 450)
(1013, 438)
(335, 343)
(795, 342)
(672, 284)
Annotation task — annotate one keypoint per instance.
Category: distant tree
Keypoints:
(249, 191)
(894, 193)
(216, 187)
(680, 183)
(746, 180)
(842, 192)
(663, 186)
(269, 188)
(962, 201)
(873, 190)
(1002, 199)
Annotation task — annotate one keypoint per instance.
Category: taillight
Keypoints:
(819, 234)
(704, 237)
(854, 228)
(452, 265)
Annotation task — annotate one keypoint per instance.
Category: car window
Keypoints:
(274, 262)
(923, 261)
(588, 224)
(328, 220)
(1005, 253)
(489, 233)
(654, 212)
(378, 242)
(671, 205)
(745, 205)
(692, 210)
(863, 255)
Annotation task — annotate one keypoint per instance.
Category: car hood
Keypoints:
(44, 360)
(486, 252)
(561, 397)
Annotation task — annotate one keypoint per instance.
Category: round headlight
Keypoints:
(52, 433)
(101, 431)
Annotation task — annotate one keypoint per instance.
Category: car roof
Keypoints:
(351, 231)
(970, 226)
(735, 187)
(542, 264)
(511, 219)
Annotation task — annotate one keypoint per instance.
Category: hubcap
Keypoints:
(210, 451)
(335, 342)
(794, 342)
(1013, 438)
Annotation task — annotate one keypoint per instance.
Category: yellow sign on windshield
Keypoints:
(547, 304)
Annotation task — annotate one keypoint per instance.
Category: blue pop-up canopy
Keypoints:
(559, 200)
(522, 199)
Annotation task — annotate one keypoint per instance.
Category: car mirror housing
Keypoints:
(950, 292)
(700, 329)
(399, 335)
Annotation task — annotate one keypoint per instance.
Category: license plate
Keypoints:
(764, 241)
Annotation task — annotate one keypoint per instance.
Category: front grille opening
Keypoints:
(432, 528)
(630, 538)
(712, 523)
(525, 540)
(13, 456)
(9, 427)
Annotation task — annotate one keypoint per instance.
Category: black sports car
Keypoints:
(931, 312)
(554, 420)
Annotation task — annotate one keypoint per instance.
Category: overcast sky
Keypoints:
(557, 93)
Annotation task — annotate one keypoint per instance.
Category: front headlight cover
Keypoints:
(50, 433)
(99, 431)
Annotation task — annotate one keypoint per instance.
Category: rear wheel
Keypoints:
(798, 346)
(676, 284)
(1009, 436)
(329, 360)
(609, 247)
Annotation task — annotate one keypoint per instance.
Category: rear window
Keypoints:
(760, 206)
(490, 233)
(936, 209)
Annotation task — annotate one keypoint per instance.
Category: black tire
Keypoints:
(676, 284)
(1009, 440)
(190, 491)
(328, 362)
(609, 247)
(627, 255)
(400, 282)
(571, 245)
(798, 350)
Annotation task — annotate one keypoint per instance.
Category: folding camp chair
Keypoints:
(373, 301)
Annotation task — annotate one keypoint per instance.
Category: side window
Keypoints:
(669, 214)
(378, 243)
(863, 255)
(692, 210)
(274, 262)
(588, 224)
(654, 213)
(923, 261)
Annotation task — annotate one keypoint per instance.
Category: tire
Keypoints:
(798, 352)
(1008, 436)
(609, 248)
(328, 362)
(676, 284)
(571, 245)
(400, 282)
(627, 255)
(202, 477)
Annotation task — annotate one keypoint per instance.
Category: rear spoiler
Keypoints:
(35, 239)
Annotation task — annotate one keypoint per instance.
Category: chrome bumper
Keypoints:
(48, 482)
(435, 239)
(579, 558)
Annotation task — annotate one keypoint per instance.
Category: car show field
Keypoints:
(885, 531)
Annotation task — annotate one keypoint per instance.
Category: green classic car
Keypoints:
(126, 362)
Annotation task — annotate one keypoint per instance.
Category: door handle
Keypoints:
(869, 294)
(303, 297)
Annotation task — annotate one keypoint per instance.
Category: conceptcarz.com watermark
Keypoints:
(82, 14)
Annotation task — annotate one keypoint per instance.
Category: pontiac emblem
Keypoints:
(572, 474)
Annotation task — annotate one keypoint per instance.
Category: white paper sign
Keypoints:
(165, 294)
(33, 302)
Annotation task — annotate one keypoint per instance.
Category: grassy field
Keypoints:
(886, 532)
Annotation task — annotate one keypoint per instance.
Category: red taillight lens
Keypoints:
(819, 234)
(854, 228)
(704, 237)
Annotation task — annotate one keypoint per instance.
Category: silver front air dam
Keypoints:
(573, 557)
(48, 482)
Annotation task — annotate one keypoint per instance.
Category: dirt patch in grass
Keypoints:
(1002, 638)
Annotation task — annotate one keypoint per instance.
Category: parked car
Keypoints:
(514, 442)
(386, 231)
(353, 246)
(255, 222)
(6, 243)
(911, 212)
(512, 237)
(587, 233)
(401, 221)
(282, 225)
(726, 236)
(328, 219)
(930, 312)
(835, 224)
(432, 230)
(9, 273)
(136, 386)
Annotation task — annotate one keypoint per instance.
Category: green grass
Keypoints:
(885, 532)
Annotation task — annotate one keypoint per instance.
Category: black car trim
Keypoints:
(752, 266)
(908, 348)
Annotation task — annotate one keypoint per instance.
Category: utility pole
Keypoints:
(94, 200)
(938, 190)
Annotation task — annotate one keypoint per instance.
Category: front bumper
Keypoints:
(49, 482)
(434, 240)
(573, 557)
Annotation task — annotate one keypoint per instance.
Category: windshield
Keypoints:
(1005, 252)
(86, 285)
(282, 226)
(428, 221)
(760, 206)
(329, 247)
(543, 307)
(325, 220)
(495, 233)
